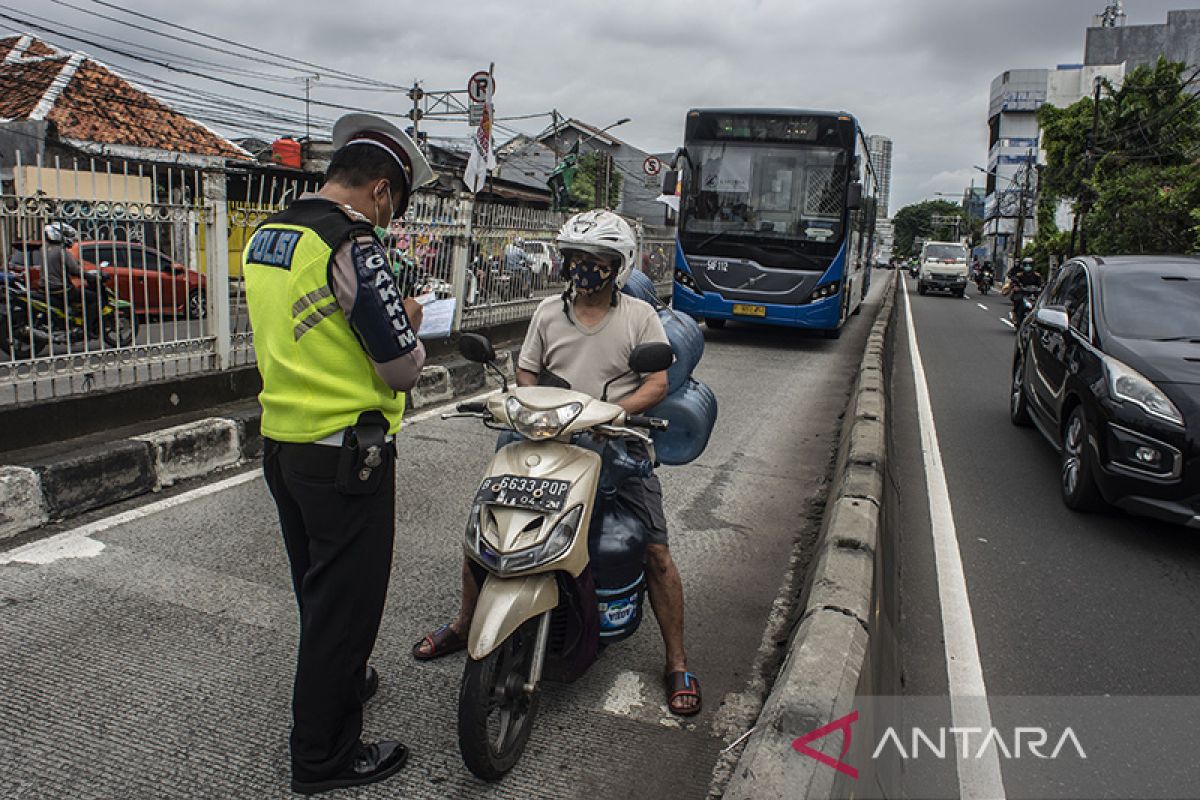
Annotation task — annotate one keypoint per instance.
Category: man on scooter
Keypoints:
(1019, 281)
(59, 265)
(584, 338)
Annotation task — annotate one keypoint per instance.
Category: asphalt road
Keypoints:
(156, 662)
(1063, 604)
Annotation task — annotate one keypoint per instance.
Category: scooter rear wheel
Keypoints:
(495, 713)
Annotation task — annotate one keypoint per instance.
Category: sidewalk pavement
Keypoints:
(55, 482)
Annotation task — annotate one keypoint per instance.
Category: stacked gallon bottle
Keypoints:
(690, 406)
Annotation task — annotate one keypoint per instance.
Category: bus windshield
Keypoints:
(766, 191)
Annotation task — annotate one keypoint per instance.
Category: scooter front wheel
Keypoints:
(495, 713)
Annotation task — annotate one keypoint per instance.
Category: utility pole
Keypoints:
(554, 138)
(1021, 208)
(416, 94)
(1086, 200)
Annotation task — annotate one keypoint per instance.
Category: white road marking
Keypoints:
(1008, 322)
(77, 542)
(981, 305)
(977, 778)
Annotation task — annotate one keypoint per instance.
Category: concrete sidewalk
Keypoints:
(55, 482)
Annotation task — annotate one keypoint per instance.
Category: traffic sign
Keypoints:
(475, 114)
(652, 166)
(481, 86)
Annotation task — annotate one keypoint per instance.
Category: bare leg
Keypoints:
(666, 598)
(470, 596)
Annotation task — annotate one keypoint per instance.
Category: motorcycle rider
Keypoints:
(59, 265)
(1025, 278)
(584, 337)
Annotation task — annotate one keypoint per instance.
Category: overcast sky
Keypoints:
(916, 71)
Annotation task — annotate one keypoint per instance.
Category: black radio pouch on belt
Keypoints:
(364, 456)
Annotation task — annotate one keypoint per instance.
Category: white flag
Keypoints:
(483, 155)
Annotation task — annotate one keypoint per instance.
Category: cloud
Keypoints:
(917, 71)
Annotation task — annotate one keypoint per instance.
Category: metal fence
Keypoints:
(162, 299)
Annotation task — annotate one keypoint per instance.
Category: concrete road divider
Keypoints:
(84, 479)
(833, 651)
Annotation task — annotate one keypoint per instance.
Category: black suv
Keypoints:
(1108, 368)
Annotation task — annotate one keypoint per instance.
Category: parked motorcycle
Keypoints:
(984, 281)
(557, 557)
(29, 325)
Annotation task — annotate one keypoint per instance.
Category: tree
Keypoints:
(916, 221)
(591, 172)
(1135, 190)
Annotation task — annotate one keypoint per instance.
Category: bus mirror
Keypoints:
(681, 155)
(670, 181)
(854, 197)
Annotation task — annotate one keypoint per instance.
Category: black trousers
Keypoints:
(340, 549)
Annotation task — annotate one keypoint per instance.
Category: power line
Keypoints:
(243, 51)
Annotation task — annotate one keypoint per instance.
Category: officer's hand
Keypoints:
(415, 312)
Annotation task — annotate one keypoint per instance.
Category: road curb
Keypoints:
(36, 493)
(828, 654)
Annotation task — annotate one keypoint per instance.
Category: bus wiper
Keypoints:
(719, 234)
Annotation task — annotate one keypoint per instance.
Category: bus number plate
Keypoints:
(750, 311)
(515, 491)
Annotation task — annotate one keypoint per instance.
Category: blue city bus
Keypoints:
(776, 218)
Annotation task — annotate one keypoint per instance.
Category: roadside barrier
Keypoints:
(843, 644)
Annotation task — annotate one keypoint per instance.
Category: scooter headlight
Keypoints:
(535, 423)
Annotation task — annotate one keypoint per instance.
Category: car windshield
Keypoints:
(1152, 305)
(780, 192)
(946, 252)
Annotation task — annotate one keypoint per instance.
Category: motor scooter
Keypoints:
(984, 280)
(29, 325)
(1024, 299)
(558, 562)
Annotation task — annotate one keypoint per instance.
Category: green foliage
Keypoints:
(916, 221)
(590, 173)
(1139, 187)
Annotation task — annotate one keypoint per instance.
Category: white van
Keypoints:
(943, 267)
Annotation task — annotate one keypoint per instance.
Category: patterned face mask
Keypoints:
(590, 273)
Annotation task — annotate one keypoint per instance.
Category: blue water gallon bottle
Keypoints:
(692, 412)
(617, 547)
(687, 340)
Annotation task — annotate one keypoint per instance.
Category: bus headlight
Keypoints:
(824, 291)
(686, 280)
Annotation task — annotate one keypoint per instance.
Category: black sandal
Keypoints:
(442, 642)
(683, 684)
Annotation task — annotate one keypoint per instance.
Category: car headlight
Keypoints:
(558, 542)
(533, 423)
(1129, 385)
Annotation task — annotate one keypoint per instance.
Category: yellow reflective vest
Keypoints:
(317, 378)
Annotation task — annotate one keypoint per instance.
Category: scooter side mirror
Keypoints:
(652, 357)
(476, 347)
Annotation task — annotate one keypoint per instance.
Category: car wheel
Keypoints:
(1018, 405)
(715, 324)
(1079, 491)
(197, 304)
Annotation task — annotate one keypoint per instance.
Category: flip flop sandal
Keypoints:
(442, 642)
(682, 684)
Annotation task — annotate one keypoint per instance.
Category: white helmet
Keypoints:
(603, 233)
(60, 232)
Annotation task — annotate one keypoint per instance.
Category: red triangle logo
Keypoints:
(800, 745)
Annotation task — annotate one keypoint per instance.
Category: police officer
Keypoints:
(337, 348)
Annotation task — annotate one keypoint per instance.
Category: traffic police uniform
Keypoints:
(328, 326)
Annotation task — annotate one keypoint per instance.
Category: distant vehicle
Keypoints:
(776, 218)
(151, 282)
(539, 257)
(943, 268)
(1108, 369)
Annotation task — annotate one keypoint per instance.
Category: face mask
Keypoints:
(1027, 267)
(380, 230)
(590, 276)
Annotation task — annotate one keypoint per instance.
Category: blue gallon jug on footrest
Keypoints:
(617, 549)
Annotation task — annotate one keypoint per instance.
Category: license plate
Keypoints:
(750, 311)
(514, 491)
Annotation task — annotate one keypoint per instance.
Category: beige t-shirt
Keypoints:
(588, 358)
